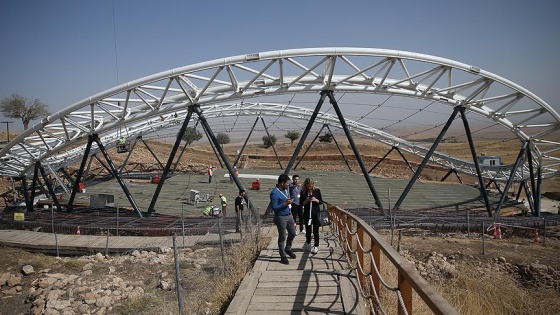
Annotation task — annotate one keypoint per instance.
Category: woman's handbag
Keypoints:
(323, 216)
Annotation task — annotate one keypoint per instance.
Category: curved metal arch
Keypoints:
(360, 70)
(282, 110)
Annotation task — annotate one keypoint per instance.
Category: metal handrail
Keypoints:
(354, 235)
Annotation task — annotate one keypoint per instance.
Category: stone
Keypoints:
(164, 285)
(99, 257)
(103, 301)
(12, 282)
(4, 278)
(27, 270)
(90, 298)
(88, 266)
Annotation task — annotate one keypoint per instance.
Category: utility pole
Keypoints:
(8, 128)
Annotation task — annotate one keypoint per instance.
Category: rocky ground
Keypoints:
(96, 284)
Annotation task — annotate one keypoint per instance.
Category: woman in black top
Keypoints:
(311, 199)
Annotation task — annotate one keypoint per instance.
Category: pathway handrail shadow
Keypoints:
(363, 247)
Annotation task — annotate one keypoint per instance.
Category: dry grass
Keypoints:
(473, 292)
(206, 291)
(496, 293)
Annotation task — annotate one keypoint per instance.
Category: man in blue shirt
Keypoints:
(281, 204)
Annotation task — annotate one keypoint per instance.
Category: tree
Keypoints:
(327, 137)
(267, 142)
(292, 135)
(17, 106)
(191, 135)
(223, 138)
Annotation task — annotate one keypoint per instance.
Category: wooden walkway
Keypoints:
(310, 284)
(87, 244)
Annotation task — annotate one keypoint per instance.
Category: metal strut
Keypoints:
(33, 187)
(213, 146)
(475, 160)
(511, 177)
(245, 143)
(115, 173)
(309, 146)
(305, 132)
(339, 149)
(271, 143)
(224, 157)
(426, 159)
(354, 148)
(76, 185)
(152, 152)
(130, 150)
(170, 161)
(49, 186)
(183, 150)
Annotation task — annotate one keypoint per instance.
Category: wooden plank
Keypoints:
(301, 298)
(295, 291)
(331, 307)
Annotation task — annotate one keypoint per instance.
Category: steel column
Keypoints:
(180, 157)
(229, 167)
(152, 152)
(67, 175)
(518, 192)
(381, 160)
(24, 189)
(305, 132)
(33, 187)
(339, 149)
(309, 147)
(355, 149)
(87, 169)
(115, 173)
(76, 185)
(404, 158)
(213, 147)
(108, 168)
(49, 186)
(529, 195)
(532, 175)
(271, 143)
(426, 159)
(245, 143)
(511, 177)
(538, 193)
(130, 150)
(475, 160)
(170, 160)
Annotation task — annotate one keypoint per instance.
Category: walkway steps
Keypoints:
(310, 284)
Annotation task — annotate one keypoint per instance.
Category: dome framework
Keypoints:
(253, 85)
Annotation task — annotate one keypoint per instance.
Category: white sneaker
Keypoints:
(307, 247)
(297, 232)
(303, 231)
(314, 250)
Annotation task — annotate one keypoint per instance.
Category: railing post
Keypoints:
(376, 253)
(361, 261)
(406, 293)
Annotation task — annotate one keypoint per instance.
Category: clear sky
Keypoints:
(63, 51)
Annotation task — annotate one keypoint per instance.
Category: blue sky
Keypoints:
(64, 51)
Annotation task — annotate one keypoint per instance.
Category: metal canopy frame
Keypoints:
(222, 87)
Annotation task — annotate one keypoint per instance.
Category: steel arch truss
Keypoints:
(161, 100)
